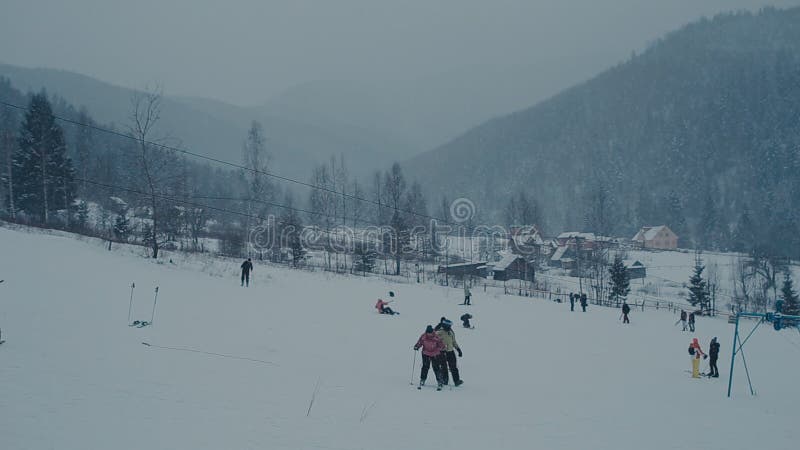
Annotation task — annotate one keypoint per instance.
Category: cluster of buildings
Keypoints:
(527, 248)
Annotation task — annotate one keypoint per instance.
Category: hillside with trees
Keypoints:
(701, 132)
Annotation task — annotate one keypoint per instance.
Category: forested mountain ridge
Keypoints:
(701, 132)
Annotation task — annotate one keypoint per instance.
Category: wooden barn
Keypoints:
(513, 267)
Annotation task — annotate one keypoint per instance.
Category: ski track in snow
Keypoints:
(75, 376)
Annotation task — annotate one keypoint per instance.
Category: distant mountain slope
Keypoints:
(218, 129)
(701, 131)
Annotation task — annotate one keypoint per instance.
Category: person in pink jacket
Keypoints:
(383, 308)
(432, 348)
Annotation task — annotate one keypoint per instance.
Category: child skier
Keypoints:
(432, 347)
(696, 352)
(465, 320)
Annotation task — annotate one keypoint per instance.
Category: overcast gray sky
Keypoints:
(244, 51)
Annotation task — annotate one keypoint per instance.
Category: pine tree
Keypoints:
(698, 291)
(44, 177)
(122, 227)
(791, 302)
(620, 281)
(365, 257)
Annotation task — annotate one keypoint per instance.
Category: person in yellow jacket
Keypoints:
(696, 352)
(446, 334)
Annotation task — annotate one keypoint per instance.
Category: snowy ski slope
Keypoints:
(244, 364)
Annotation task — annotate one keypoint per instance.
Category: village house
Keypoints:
(513, 267)
(660, 237)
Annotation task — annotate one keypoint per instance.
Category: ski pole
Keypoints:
(130, 305)
(413, 366)
(155, 299)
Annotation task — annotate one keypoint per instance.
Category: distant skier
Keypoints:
(432, 347)
(625, 310)
(382, 307)
(247, 267)
(583, 302)
(682, 319)
(571, 301)
(465, 320)
(696, 352)
(467, 294)
(448, 337)
(713, 353)
(691, 322)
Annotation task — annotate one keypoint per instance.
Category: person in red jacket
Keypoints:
(696, 352)
(383, 307)
(432, 348)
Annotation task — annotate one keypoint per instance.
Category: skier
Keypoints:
(691, 322)
(247, 267)
(696, 352)
(448, 337)
(571, 301)
(583, 302)
(713, 353)
(382, 307)
(625, 310)
(432, 347)
(682, 319)
(465, 320)
(467, 294)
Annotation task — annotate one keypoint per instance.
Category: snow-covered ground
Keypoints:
(73, 375)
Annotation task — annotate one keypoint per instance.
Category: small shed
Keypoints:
(635, 269)
(513, 267)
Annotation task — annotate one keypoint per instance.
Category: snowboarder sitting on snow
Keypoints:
(691, 322)
(382, 308)
(625, 310)
(247, 267)
(696, 352)
(448, 337)
(465, 320)
(432, 347)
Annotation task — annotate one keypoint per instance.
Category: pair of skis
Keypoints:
(141, 323)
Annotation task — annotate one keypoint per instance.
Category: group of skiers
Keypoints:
(695, 353)
(581, 298)
(439, 348)
(683, 320)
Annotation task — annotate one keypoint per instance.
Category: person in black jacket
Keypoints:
(571, 301)
(625, 310)
(691, 322)
(247, 267)
(583, 302)
(465, 320)
(713, 354)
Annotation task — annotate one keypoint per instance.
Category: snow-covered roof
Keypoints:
(648, 233)
(118, 201)
(628, 263)
(559, 253)
(576, 234)
(505, 262)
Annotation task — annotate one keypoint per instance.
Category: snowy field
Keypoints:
(244, 364)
